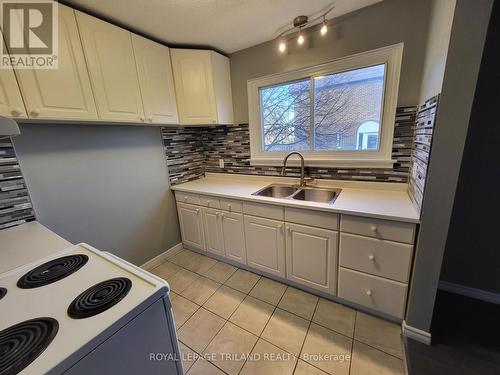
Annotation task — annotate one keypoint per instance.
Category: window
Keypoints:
(337, 114)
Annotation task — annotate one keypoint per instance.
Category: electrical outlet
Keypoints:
(221, 163)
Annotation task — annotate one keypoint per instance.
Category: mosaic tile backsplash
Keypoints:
(192, 151)
(424, 128)
(15, 203)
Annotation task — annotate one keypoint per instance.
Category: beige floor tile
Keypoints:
(202, 367)
(242, 280)
(379, 333)
(229, 348)
(201, 264)
(224, 301)
(268, 290)
(327, 350)
(183, 309)
(184, 258)
(181, 280)
(189, 357)
(252, 315)
(200, 329)
(201, 290)
(286, 330)
(367, 361)
(298, 302)
(335, 316)
(220, 272)
(304, 368)
(269, 360)
(166, 270)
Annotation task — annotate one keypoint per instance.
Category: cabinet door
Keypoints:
(194, 86)
(155, 80)
(113, 72)
(191, 225)
(62, 93)
(233, 231)
(265, 243)
(311, 257)
(213, 231)
(11, 102)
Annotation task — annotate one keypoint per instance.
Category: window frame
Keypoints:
(391, 56)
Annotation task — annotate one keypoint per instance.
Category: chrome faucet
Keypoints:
(283, 169)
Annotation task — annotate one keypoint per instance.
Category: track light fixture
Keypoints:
(300, 22)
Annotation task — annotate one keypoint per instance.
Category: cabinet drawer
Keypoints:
(379, 257)
(209, 201)
(231, 205)
(377, 228)
(187, 198)
(263, 210)
(379, 294)
(320, 219)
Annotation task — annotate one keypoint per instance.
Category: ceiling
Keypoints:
(226, 25)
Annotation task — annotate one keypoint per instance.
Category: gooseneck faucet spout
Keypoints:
(283, 169)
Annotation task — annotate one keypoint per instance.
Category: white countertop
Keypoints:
(381, 200)
(26, 243)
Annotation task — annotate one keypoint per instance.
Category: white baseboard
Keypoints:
(416, 334)
(159, 259)
(463, 290)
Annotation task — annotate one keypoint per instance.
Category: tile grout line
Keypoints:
(305, 338)
(352, 342)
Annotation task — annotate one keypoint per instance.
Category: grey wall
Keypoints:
(104, 185)
(462, 66)
(472, 258)
(438, 39)
(382, 24)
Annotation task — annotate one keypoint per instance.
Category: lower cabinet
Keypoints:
(311, 257)
(265, 240)
(233, 233)
(214, 241)
(190, 221)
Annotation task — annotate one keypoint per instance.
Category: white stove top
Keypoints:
(76, 337)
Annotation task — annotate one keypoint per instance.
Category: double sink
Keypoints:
(309, 194)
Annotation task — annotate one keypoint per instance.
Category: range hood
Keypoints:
(8, 127)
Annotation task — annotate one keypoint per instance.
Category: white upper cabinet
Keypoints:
(11, 102)
(155, 80)
(113, 73)
(203, 87)
(65, 92)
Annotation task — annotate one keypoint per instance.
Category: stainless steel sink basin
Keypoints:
(277, 191)
(310, 194)
(317, 195)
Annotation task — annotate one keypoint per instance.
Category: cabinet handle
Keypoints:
(371, 257)
(280, 227)
(185, 199)
(373, 228)
(208, 203)
(217, 214)
(35, 112)
(197, 210)
(368, 292)
(150, 119)
(141, 118)
(229, 206)
(222, 215)
(288, 229)
(16, 112)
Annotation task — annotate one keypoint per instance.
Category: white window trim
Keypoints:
(381, 158)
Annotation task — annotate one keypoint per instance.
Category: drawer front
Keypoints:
(187, 198)
(231, 205)
(264, 210)
(378, 257)
(209, 201)
(313, 218)
(379, 294)
(377, 228)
